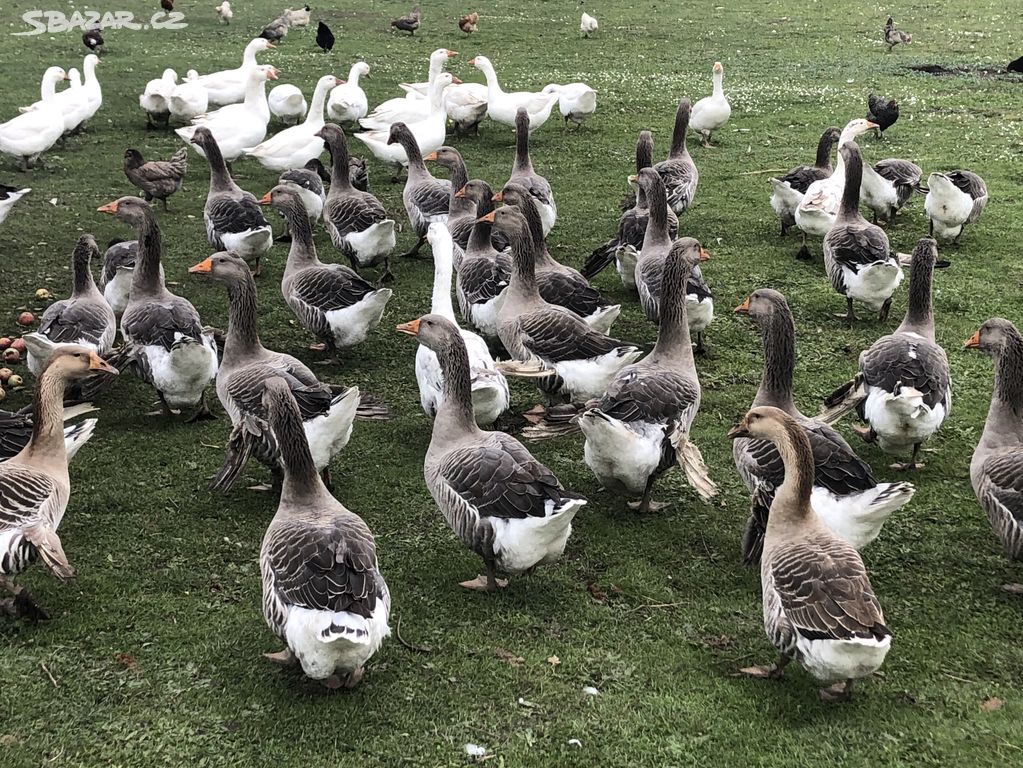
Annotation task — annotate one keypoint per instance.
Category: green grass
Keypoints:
(156, 646)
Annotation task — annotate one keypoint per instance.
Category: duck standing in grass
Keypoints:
(819, 606)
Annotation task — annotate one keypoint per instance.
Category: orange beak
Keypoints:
(97, 363)
(489, 217)
(411, 328)
(498, 197)
(265, 199)
(704, 256)
(431, 156)
(453, 53)
(460, 193)
(110, 208)
(455, 80)
(204, 267)
(743, 309)
(273, 74)
(472, 62)
(270, 45)
(339, 81)
(973, 342)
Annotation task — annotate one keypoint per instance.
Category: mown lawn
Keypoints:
(155, 648)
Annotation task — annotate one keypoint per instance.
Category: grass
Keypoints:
(155, 648)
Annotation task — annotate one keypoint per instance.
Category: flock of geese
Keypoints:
(814, 502)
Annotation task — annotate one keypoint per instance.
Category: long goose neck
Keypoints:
(523, 163)
(532, 216)
(301, 480)
(220, 177)
(303, 249)
(644, 151)
(823, 159)
(479, 238)
(493, 86)
(919, 311)
(353, 75)
(440, 303)
(339, 178)
(523, 277)
(1005, 415)
(315, 115)
(719, 87)
(778, 335)
(791, 505)
(851, 192)
(459, 178)
(678, 135)
(255, 92)
(416, 166)
(673, 340)
(83, 280)
(657, 222)
(455, 415)
(47, 441)
(146, 277)
(243, 328)
(249, 56)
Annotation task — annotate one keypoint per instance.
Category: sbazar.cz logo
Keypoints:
(54, 22)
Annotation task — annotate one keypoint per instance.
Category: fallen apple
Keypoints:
(5, 342)
(5, 374)
(18, 344)
(15, 381)
(26, 318)
(12, 356)
(43, 294)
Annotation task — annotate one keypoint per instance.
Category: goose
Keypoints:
(330, 301)
(413, 106)
(524, 174)
(287, 103)
(73, 102)
(857, 256)
(817, 211)
(582, 359)
(116, 278)
(31, 133)
(347, 102)
(679, 173)
(327, 412)
(188, 99)
(358, 172)
(89, 98)
(819, 606)
(503, 107)
(559, 285)
(157, 179)
(887, 186)
(587, 25)
(501, 503)
(163, 334)
(83, 320)
(787, 192)
(711, 112)
(232, 216)
(34, 484)
(236, 126)
(323, 593)
(8, 197)
(845, 495)
(576, 101)
(296, 146)
(996, 469)
(489, 388)
(426, 197)
(482, 278)
(17, 428)
(903, 389)
(155, 98)
(476, 195)
(465, 103)
(356, 221)
(954, 199)
(639, 429)
(462, 210)
(309, 186)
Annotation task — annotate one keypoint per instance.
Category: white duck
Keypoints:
(414, 106)
(296, 146)
(501, 106)
(287, 103)
(228, 86)
(576, 101)
(155, 99)
(188, 99)
(711, 112)
(348, 102)
(31, 133)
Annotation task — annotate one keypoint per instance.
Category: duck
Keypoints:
(845, 496)
(482, 279)
(857, 256)
(84, 319)
(9, 196)
(996, 468)
(415, 104)
(93, 39)
(188, 99)
(490, 397)
(817, 211)
(462, 211)
(787, 192)
(356, 221)
(407, 23)
(887, 186)
(164, 337)
(224, 12)
(16, 429)
(287, 103)
(295, 146)
(559, 285)
(679, 173)
(538, 334)
(347, 102)
(893, 36)
(711, 113)
(819, 606)
(327, 413)
(35, 486)
(330, 301)
(156, 179)
(232, 216)
(639, 428)
(230, 86)
(503, 107)
(115, 280)
(525, 175)
(236, 126)
(30, 134)
(426, 197)
(154, 99)
(884, 112)
(576, 101)
(501, 502)
(903, 389)
(588, 24)
(954, 199)
(323, 593)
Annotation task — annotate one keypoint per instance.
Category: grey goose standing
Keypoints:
(526, 176)
(787, 192)
(482, 277)
(461, 209)
(679, 172)
(426, 197)
(118, 266)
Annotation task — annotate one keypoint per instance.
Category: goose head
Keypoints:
(448, 157)
(766, 423)
(762, 304)
(224, 267)
(133, 211)
(994, 336)
(256, 45)
(478, 191)
(855, 128)
(482, 63)
(76, 362)
(941, 185)
(433, 332)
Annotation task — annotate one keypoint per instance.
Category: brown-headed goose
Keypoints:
(16, 429)
(679, 172)
(954, 199)
(996, 470)
(639, 429)
(524, 175)
(787, 192)
(857, 256)
(330, 301)
(323, 593)
(163, 335)
(482, 277)
(532, 330)
(233, 219)
(501, 502)
(462, 212)
(327, 412)
(845, 495)
(903, 389)
(34, 484)
(819, 606)
(426, 197)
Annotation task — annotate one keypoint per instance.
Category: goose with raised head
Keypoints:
(16, 430)
(503, 107)
(327, 412)
(437, 61)
(462, 210)
(819, 606)
(845, 496)
(502, 503)
(490, 396)
(524, 174)
(347, 102)
(954, 199)
(29, 134)
(228, 86)
(163, 335)
(711, 113)
(415, 105)
(356, 221)
(787, 192)
(294, 147)
(903, 389)
(679, 173)
(478, 196)
(323, 593)
(483, 275)
(426, 197)
(35, 486)
(857, 256)
(580, 360)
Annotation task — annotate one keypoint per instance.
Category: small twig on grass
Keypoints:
(766, 170)
(958, 679)
(407, 644)
(49, 675)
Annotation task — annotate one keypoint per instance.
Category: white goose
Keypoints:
(296, 146)
(80, 101)
(437, 61)
(348, 102)
(155, 99)
(465, 103)
(576, 101)
(188, 99)
(502, 106)
(287, 103)
(711, 112)
(414, 106)
(228, 86)
(31, 133)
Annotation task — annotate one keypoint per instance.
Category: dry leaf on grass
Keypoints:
(554, 661)
(990, 705)
(511, 658)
